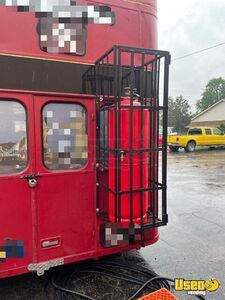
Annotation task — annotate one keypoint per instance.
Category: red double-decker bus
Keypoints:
(82, 172)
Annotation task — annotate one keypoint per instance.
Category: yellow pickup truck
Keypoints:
(199, 136)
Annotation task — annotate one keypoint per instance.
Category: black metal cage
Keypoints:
(139, 76)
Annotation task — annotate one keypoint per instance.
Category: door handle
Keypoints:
(32, 179)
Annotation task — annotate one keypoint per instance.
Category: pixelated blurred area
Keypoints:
(65, 38)
(65, 136)
(12, 249)
(119, 234)
(62, 25)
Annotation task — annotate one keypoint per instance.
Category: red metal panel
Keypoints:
(135, 26)
(66, 200)
(61, 206)
(18, 211)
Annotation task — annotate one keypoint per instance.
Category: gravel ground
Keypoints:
(192, 246)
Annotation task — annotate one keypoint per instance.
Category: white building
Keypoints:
(213, 116)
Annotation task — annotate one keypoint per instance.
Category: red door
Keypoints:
(17, 200)
(65, 168)
(47, 180)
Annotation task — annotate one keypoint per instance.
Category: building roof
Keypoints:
(220, 113)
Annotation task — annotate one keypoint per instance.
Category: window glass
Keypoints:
(217, 131)
(208, 131)
(195, 131)
(13, 137)
(65, 140)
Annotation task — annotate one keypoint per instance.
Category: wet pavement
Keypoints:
(192, 246)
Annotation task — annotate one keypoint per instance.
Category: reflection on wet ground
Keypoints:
(192, 246)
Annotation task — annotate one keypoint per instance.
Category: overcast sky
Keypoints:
(186, 26)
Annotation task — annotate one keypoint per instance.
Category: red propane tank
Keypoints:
(126, 167)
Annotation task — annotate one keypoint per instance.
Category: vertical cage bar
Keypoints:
(165, 124)
(151, 124)
(146, 86)
(107, 104)
(131, 125)
(118, 135)
(141, 137)
(154, 138)
(103, 78)
(157, 133)
(108, 79)
(116, 158)
(98, 145)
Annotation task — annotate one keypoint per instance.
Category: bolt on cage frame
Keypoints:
(140, 70)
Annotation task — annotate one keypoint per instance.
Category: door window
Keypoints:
(195, 131)
(65, 140)
(13, 137)
(208, 131)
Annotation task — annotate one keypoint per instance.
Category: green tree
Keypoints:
(222, 128)
(214, 92)
(179, 115)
